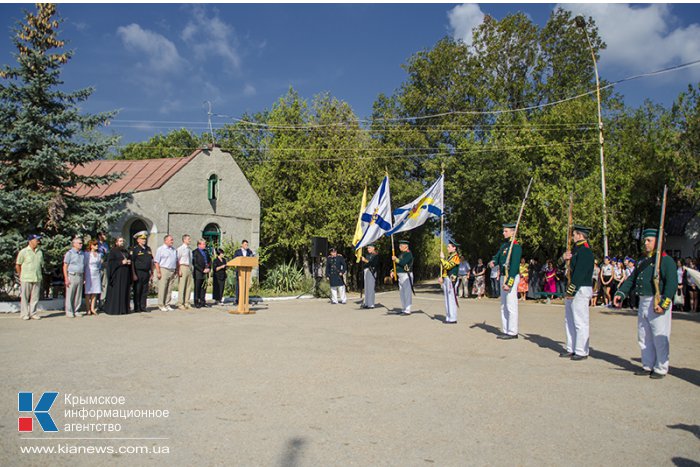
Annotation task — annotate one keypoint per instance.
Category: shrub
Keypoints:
(284, 278)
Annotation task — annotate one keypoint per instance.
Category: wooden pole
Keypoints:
(569, 236)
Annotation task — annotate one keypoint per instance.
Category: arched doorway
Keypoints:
(212, 234)
(137, 226)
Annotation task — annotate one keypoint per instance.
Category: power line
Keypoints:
(479, 112)
(396, 129)
(441, 152)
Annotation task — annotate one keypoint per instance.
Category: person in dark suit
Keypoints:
(201, 262)
(219, 268)
(242, 251)
(141, 270)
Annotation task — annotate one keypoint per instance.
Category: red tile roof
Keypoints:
(138, 175)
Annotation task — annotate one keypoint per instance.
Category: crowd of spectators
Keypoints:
(548, 281)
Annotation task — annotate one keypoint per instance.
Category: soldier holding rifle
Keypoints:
(578, 294)
(655, 282)
(508, 259)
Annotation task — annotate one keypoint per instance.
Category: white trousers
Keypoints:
(405, 291)
(576, 321)
(509, 308)
(335, 291)
(653, 335)
(369, 288)
(450, 300)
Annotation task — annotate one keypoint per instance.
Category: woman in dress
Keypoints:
(93, 277)
(618, 274)
(524, 279)
(596, 283)
(533, 288)
(479, 287)
(118, 279)
(550, 279)
(219, 266)
(606, 277)
(692, 288)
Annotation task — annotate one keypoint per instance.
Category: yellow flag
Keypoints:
(358, 230)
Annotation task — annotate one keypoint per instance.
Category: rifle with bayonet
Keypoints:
(659, 252)
(515, 233)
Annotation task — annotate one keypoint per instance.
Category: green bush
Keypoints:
(284, 278)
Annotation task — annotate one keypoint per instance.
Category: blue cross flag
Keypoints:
(376, 219)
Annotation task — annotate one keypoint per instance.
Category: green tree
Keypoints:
(43, 135)
(177, 143)
(489, 151)
(308, 163)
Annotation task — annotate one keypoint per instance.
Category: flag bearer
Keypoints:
(404, 267)
(370, 263)
(448, 277)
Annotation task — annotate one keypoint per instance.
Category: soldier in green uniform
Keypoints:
(404, 269)
(141, 269)
(653, 320)
(370, 266)
(448, 277)
(578, 295)
(510, 278)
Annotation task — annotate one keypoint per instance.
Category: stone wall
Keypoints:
(182, 206)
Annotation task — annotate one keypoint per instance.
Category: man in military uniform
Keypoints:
(370, 266)
(335, 272)
(578, 295)
(141, 269)
(653, 320)
(510, 278)
(448, 277)
(404, 269)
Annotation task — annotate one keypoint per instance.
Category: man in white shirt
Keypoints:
(184, 272)
(242, 251)
(166, 265)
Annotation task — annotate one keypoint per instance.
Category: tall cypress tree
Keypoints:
(43, 135)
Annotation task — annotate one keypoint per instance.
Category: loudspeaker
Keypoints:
(319, 246)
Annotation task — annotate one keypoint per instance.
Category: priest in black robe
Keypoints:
(118, 279)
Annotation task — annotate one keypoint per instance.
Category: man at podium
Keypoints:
(242, 251)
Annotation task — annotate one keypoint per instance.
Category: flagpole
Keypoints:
(393, 250)
(442, 217)
(363, 205)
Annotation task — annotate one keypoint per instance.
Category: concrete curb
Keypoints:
(58, 303)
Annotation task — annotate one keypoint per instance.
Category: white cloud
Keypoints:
(208, 36)
(161, 53)
(641, 38)
(249, 90)
(170, 105)
(463, 19)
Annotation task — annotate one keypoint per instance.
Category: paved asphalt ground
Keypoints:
(304, 383)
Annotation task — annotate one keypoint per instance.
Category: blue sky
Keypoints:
(157, 63)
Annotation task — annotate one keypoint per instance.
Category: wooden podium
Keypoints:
(245, 265)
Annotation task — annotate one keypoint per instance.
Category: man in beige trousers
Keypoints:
(166, 267)
(29, 266)
(184, 272)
